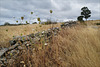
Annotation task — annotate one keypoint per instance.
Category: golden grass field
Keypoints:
(5, 35)
(77, 46)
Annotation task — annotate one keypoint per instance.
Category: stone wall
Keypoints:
(19, 43)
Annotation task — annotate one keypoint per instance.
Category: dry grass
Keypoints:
(73, 47)
(5, 35)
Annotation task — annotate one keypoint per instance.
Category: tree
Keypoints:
(80, 18)
(27, 22)
(85, 13)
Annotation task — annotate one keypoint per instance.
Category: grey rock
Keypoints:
(31, 35)
(3, 59)
(21, 38)
(13, 52)
(5, 62)
(35, 40)
(0, 62)
(27, 42)
(68, 24)
(14, 46)
(3, 51)
(20, 48)
(12, 42)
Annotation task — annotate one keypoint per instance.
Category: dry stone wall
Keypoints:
(18, 43)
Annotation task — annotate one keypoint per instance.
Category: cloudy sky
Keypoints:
(62, 9)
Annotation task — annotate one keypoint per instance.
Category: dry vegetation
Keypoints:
(74, 47)
(7, 32)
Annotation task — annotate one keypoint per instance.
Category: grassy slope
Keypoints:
(74, 47)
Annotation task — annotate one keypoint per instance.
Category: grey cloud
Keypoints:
(62, 9)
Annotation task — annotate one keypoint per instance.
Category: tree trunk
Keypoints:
(86, 19)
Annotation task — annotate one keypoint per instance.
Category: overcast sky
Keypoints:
(62, 9)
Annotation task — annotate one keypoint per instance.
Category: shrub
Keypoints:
(27, 22)
(6, 23)
(34, 23)
(97, 23)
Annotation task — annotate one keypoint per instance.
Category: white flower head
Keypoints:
(45, 44)
(33, 29)
(27, 44)
(43, 31)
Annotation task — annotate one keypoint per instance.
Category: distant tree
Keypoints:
(85, 12)
(34, 23)
(27, 22)
(80, 18)
(6, 23)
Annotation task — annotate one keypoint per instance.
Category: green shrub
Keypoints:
(97, 23)
(6, 23)
(34, 23)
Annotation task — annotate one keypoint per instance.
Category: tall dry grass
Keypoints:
(7, 32)
(74, 47)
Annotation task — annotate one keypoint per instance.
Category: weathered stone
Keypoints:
(31, 35)
(3, 59)
(3, 51)
(21, 38)
(14, 46)
(13, 51)
(0, 62)
(12, 42)
(27, 42)
(68, 24)
(37, 34)
(20, 48)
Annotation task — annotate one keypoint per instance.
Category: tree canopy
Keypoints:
(85, 12)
